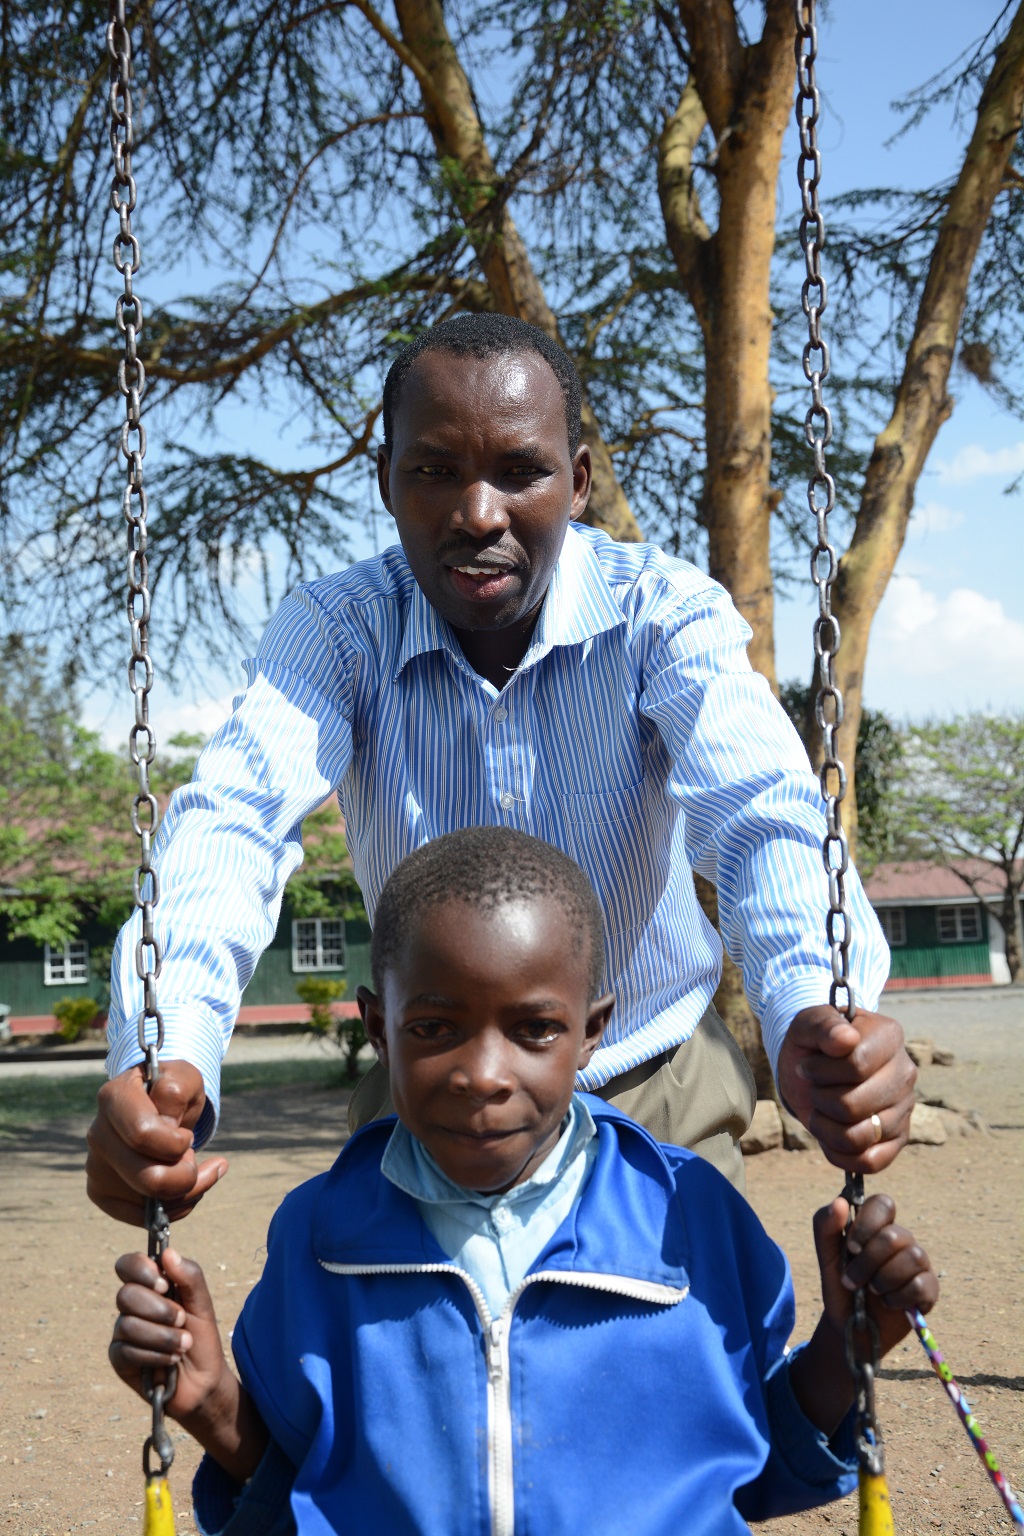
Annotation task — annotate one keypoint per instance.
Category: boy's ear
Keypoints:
(372, 1015)
(598, 1015)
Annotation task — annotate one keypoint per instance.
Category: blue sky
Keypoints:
(950, 632)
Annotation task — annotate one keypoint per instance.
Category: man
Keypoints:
(504, 667)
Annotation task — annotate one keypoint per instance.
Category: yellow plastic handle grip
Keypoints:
(159, 1519)
(875, 1509)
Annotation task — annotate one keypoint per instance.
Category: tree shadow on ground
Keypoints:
(278, 1120)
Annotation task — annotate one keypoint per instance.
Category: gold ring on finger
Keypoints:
(877, 1127)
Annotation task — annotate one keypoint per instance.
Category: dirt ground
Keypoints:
(71, 1435)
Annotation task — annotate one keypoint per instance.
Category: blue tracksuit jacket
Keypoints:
(636, 1380)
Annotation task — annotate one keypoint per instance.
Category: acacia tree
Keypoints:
(354, 171)
(961, 803)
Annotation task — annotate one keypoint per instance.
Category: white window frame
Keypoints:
(959, 916)
(300, 953)
(67, 967)
(894, 925)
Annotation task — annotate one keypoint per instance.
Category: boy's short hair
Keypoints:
(485, 867)
(486, 335)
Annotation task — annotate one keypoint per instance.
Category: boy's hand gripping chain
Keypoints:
(131, 381)
(861, 1335)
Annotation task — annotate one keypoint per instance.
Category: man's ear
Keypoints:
(598, 1015)
(372, 1015)
(384, 476)
(582, 482)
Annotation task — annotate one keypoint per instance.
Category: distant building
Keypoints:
(939, 932)
(33, 976)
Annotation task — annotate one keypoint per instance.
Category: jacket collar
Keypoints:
(629, 1220)
(578, 605)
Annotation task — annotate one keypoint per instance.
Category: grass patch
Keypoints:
(31, 1101)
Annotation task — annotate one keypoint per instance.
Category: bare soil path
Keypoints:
(71, 1436)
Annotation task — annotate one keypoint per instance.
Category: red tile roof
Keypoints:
(919, 880)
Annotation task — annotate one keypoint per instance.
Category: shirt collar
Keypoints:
(409, 1166)
(578, 605)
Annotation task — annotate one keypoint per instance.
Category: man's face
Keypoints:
(482, 487)
(484, 1021)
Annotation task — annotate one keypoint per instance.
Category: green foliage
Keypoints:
(75, 1015)
(67, 850)
(962, 789)
(293, 144)
(961, 803)
(324, 885)
(318, 993)
(878, 755)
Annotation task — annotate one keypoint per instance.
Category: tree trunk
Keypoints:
(922, 402)
(475, 187)
(745, 94)
(1010, 918)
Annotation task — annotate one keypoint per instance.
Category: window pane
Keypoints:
(304, 944)
(332, 939)
(76, 957)
(947, 924)
(970, 924)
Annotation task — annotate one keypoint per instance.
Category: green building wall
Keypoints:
(273, 982)
(923, 960)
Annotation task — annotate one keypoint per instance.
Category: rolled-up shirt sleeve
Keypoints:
(230, 840)
(754, 819)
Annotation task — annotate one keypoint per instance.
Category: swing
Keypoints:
(861, 1338)
(861, 1346)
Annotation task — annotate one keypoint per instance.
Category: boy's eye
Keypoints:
(540, 1031)
(430, 1029)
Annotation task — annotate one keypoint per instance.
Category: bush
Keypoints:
(75, 1015)
(318, 993)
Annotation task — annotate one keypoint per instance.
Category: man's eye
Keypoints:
(525, 471)
(432, 471)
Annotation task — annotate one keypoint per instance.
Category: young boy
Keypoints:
(512, 1310)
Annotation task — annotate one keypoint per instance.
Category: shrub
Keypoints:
(74, 1015)
(318, 993)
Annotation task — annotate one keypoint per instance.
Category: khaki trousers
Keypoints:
(699, 1094)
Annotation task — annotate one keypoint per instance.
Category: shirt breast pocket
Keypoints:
(593, 738)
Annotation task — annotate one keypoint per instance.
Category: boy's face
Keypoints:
(484, 1021)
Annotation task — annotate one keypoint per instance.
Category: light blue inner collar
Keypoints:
(410, 1167)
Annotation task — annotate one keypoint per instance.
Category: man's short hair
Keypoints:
(486, 335)
(486, 868)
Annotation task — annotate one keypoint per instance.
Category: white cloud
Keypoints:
(934, 517)
(111, 717)
(972, 462)
(940, 655)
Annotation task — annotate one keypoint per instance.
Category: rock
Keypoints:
(941, 1057)
(926, 1127)
(921, 1052)
(765, 1130)
(795, 1137)
(955, 1123)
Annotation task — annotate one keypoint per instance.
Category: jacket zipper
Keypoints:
(496, 1333)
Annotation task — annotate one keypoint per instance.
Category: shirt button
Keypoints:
(500, 714)
(507, 801)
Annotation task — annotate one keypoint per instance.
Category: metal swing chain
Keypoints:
(828, 707)
(131, 381)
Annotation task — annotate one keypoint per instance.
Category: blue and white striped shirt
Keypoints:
(634, 735)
